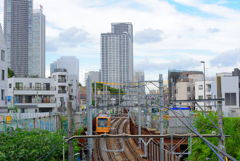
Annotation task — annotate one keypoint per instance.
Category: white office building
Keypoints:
(32, 94)
(37, 62)
(95, 75)
(4, 73)
(71, 63)
(229, 89)
(117, 54)
(199, 94)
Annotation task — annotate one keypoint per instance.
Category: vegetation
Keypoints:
(30, 145)
(79, 84)
(99, 86)
(10, 73)
(231, 126)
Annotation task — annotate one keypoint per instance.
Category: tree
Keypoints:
(10, 73)
(80, 85)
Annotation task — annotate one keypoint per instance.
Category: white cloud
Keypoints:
(183, 31)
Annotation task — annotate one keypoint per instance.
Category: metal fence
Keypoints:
(44, 121)
(49, 123)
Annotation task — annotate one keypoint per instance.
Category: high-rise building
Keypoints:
(53, 66)
(4, 74)
(96, 75)
(117, 54)
(18, 34)
(37, 60)
(71, 63)
(138, 76)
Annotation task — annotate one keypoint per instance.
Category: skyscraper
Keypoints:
(24, 31)
(117, 54)
(18, 34)
(37, 59)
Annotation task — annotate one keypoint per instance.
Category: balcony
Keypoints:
(35, 101)
(34, 89)
(62, 91)
(62, 80)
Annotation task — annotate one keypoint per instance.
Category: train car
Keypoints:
(103, 123)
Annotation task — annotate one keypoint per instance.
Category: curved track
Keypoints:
(118, 126)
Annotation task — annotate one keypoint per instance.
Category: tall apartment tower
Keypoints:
(117, 54)
(18, 34)
(37, 59)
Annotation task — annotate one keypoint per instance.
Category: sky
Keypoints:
(167, 34)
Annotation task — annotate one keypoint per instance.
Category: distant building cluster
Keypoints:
(190, 85)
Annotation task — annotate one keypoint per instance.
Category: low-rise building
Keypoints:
(4, 74)
(66, 87)
(31, 94)
(229, 89)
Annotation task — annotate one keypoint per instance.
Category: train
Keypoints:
(102, 123)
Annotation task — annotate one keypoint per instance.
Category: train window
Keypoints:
(102, 122)
(155, 110)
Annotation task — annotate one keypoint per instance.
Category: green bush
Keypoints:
(30, 145)
(231, 126)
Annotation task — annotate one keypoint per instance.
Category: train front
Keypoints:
(103, 125)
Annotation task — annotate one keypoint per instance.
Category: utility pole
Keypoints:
(161, 106)
(139, 116)
(95, 97)
(70, 131)
(89, 116)
(221, 139)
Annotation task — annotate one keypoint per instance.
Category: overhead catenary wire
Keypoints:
(205, 140)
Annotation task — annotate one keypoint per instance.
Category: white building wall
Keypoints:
(71, 63)
(3, 68)
(199, 91)
(29, 89)
(229, 84)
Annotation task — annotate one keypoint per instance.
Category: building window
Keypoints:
(2, 94)
(37, 86)
(3, 74)
(200, 87)
(200, 97)
(2, 55)
(19, 86)
(230, 99)
(10, 85)
(19, 99)
(30, 85)
(188, 88)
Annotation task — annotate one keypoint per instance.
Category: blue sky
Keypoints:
(167, 33)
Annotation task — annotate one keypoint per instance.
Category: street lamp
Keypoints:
(204, 85)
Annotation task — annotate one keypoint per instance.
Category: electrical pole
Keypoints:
(220, 120)
(139, 116)
(70, 131)
(89, 117)
(161, 106)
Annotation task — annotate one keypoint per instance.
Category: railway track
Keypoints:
(118, 126)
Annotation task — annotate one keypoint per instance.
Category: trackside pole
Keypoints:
(161, 105)
(89, 116)
(70, 131)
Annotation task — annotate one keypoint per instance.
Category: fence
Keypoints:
(44, 121)
(50, 123)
